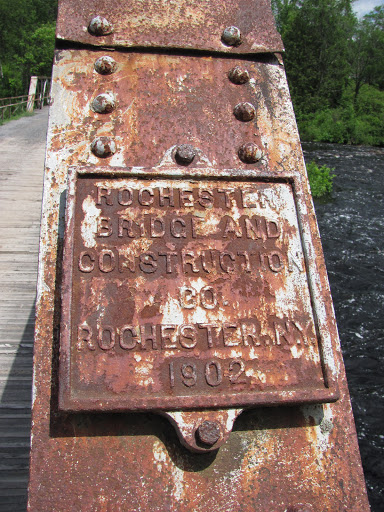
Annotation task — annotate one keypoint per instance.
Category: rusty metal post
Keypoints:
(186, 351)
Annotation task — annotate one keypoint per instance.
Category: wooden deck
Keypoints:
(22, 145)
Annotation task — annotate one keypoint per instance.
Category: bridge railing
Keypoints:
(38, 96)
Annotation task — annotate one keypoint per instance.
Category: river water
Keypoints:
(351, 224)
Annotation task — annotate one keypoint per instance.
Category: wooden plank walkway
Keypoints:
(22, 145)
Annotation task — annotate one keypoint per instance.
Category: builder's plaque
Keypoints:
(183, 294)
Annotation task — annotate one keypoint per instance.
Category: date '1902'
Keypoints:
(212, 373)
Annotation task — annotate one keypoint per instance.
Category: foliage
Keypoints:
(359, 122)
(320, 179)
(335, 69)
(26, 44)
(368, 50)
(316, 35)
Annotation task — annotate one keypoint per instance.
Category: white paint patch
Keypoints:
(89, 223)
(172, 313)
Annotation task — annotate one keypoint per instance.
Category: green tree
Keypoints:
(316, 35)
(367, 56)
(23, 20)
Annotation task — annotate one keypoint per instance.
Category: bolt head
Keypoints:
(103, 147)
(231, 36)
(250, 153)
(244, 111)
(238, 75)
(300, 507)
(104, 103)
(100, 26)
(208, 432)
(105, 65)
(185, 153)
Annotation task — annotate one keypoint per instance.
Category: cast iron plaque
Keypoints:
(186, 294)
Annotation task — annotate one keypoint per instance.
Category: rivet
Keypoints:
(300, 507)
(250, 153)
(231, 36)
(238, 75)
(103, 147)
(244, 111)
(105, 65)
(185, 153)
(104, 103)
(100, 26)
(208, 432)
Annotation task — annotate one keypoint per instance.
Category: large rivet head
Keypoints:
(105, 65)
(104, 103)
(300, 507)
(185, 153)
(231, 36)
(208, 433)
(238, 75)
(100, 26)
(250, 153)
(103, 147)
(244, 111)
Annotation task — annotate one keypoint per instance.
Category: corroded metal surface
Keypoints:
(186, 294)
(301, 457)
(178, 24)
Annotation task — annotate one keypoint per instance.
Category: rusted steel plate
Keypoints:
(185, 294)
(276, 458)
(181, 24)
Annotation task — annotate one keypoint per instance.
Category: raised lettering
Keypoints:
(185, 197)
(252, 228)
(209, 328)
(188, 259)
(106, 261)
(178, 228)
(274, 262)
(105, 193)
(187, 297)
(146, 201)
(188, 332)
(148, 262)
(250, 333)
(128, 337)
(166, 195)
(127, 225)
(125, 197)
(168, 336)
(205, 198)
(208, 298)
(231, 227)
(225, 265)
(106, 342)
(273, 229)
(83, 266)
(104, 226)
(246, 266)
(231, 337)
(84, 335)
(151, 337)
(157, 227)
(169, 268)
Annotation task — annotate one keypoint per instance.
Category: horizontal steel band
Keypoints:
(179, 24)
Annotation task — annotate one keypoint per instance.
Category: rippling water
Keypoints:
(352, 229)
